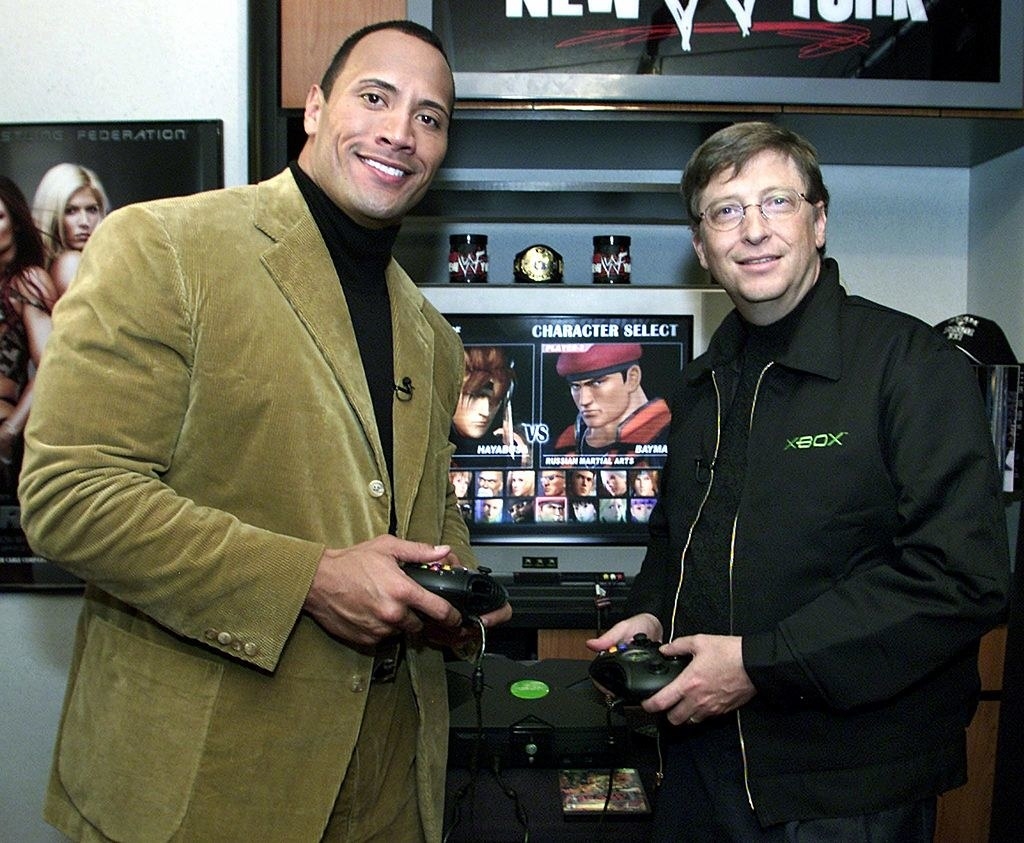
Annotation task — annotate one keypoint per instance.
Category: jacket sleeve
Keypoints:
(941, 580)
(112, 396)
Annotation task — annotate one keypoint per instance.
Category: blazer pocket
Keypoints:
(134, 732)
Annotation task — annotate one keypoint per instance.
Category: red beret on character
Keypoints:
(598, 360)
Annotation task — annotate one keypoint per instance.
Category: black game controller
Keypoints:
(473, 593)
(630, 673)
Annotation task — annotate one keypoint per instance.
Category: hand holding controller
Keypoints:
(635, 671)
(472, 593)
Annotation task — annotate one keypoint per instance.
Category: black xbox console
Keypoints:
(630, 673)
(533, 714)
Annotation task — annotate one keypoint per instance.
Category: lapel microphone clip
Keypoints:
(403, 391)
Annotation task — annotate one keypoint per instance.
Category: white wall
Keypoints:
(900, 236)
(996, 267)
(97, 60)
(37, 631)
(129, 60)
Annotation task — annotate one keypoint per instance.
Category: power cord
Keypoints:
(621, 779)
(520, 810)
(469, 788)
(602, 602)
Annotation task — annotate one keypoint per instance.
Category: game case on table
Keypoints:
(585, 793)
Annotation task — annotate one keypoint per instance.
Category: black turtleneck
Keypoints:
(361, 256)
(705, 604)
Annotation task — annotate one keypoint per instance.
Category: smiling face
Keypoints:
(765, 267)
(376, 144)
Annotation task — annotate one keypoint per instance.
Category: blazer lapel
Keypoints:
(301, 267)
(414, 357)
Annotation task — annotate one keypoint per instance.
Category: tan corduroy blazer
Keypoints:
(201, 430)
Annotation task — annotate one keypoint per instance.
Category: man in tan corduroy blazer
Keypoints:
(205, 452)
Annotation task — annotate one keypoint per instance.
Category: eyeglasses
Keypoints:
(725, 216)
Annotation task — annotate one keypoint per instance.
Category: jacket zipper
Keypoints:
(732, 553)
(732, 606)
(707, 492)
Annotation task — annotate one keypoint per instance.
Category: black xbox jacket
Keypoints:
(870, 554)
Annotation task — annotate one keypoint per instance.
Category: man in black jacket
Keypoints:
(830, 543)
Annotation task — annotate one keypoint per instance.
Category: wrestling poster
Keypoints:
(856, 52)
(58, 181)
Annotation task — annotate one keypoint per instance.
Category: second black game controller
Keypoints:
(472, 592)
(630, 673)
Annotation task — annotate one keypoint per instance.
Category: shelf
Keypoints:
(658, 139)
(518, 165)
(576, 180)
(513, 195)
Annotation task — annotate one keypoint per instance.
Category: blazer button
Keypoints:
(358, 684)
(250, 649)
(225, 638)
(376, 488)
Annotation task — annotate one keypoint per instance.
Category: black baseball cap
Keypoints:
(980, 339)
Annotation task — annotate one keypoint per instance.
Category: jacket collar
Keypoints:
(298, 261)
(812, 347)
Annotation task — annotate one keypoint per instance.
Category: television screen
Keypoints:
(561, 430)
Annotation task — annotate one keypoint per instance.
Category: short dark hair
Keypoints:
(732, 147)
(407, 26)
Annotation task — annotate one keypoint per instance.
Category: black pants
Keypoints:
(703, 800)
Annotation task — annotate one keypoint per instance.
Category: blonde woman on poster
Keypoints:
(69, 203)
